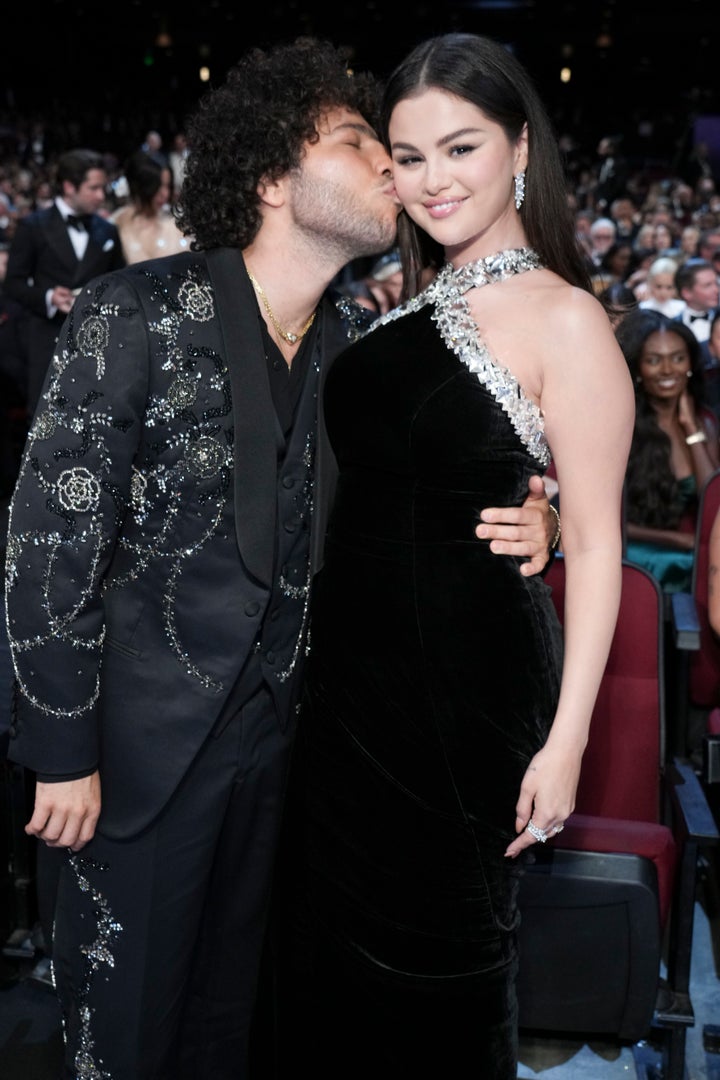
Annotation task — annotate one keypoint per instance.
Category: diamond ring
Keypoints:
(537, 833)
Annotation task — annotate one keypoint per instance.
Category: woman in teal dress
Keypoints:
(674, 448)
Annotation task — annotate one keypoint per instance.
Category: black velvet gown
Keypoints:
(433, 678)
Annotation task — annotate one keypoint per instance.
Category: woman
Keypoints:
(438, 740)
(615, 267)
(674, 447)
(713, 598)
(146, 225)
(661, 293)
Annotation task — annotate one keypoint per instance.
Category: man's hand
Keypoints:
(66, 813)
(62, 298)
(526, 531)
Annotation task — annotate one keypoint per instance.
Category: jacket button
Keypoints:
(252, 608)
(288, 482)
(270, 656)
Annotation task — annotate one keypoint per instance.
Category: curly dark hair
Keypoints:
(652, 494)
(255, 126)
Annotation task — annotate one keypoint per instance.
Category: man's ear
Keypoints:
(69, 191)
(271, 192)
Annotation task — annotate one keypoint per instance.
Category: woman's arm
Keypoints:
(667, 538)
(701, 437)
(588, 404)
(714, 576)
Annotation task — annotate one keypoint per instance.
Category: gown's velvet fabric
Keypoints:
(433, 677)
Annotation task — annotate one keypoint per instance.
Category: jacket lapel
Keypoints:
(59, 238)
(333, 340)
(95, 257)
(255, 451)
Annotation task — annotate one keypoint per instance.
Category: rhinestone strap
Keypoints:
(460, 333)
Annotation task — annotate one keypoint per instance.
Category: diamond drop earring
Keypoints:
(519, 189)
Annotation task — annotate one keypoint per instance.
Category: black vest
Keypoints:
(278, 655)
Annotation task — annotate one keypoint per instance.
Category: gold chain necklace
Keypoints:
(286, 335)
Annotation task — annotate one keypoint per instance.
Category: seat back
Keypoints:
(621, 770)
(704, 663)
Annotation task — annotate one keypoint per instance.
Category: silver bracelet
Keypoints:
(558, 529)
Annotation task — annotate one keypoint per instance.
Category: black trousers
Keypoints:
(158, 938)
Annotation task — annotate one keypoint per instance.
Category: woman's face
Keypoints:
(689, 239)
(664, 366)
(162, 195)
(662, 237)
(454, 172)
(620, 261)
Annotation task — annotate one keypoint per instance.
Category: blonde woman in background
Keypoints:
(659, 292)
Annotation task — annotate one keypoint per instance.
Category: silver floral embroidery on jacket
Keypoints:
(78, 490)
(300, 593)
(205, 457)
(90, 508)
(182, 392)
(44, 426)
(197, 300)
(93, 338)
(97, 954)
(460, 333)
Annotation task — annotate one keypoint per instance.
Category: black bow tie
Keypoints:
(692, 318)
(81, 222)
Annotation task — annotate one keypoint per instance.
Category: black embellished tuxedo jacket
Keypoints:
(154, 542)
(42, 256)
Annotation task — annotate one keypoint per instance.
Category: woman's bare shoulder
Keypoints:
(570, 309)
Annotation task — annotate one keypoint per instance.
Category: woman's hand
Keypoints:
(547, 796)
(686, 413)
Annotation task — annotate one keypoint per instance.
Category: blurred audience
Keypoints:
(380, 289)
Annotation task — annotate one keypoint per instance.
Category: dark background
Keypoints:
(102, 74)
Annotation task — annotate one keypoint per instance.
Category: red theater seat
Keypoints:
(602, 902)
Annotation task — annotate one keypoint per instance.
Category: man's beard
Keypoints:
(343, 223)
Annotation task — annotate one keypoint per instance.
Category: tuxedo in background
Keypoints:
(163, 533)
(696, 283)
(41, 257)
(699, 322)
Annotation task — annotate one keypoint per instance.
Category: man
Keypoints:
(697, 284)
(55, 251)
(167, 520)
(612, 173)
(602, 237)
(708, 244)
